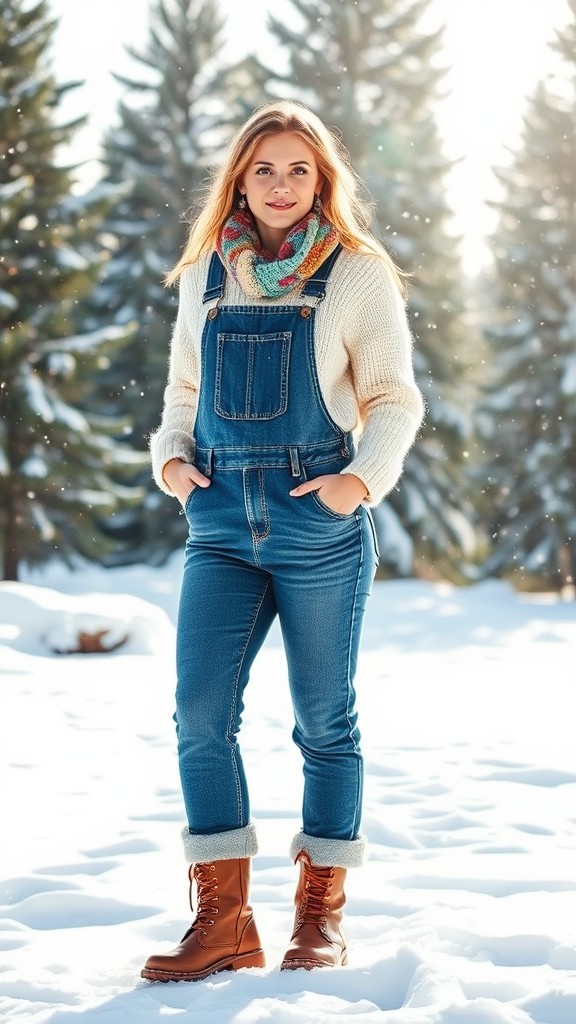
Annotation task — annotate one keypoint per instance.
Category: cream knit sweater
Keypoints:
(363, 356)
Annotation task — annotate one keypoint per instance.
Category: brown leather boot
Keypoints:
(317, 939)
(223, 935)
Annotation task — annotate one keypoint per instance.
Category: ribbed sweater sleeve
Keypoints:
(174, 439)
(390, 405)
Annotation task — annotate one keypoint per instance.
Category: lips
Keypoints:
(280, 206)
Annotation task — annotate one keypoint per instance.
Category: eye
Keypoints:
(262, 170)
(300, 170)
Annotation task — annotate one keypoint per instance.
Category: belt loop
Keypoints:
(209, 463)
(295, 462)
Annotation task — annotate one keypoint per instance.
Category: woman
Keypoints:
(291, 333)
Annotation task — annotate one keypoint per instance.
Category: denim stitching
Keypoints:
(374, 535)
(232, 744)
(352, 618)
(249, 377)
(188, 501)
(265, 514)
(251, 512)
(333, 446)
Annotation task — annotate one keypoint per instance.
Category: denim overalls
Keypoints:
(254, 552)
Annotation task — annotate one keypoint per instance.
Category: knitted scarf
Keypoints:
(261, 274)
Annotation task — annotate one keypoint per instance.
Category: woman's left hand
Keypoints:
(341, 492)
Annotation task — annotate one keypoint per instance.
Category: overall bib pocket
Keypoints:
(252, 375)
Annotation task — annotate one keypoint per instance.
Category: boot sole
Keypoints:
(229, 963)
(310, 965)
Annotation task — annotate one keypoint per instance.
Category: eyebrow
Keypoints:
(268, 163)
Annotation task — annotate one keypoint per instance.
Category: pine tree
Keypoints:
(529, 420)
(55, 458)
(174, 118)
(368, 69)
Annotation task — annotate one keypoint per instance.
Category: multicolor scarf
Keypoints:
(260, 273)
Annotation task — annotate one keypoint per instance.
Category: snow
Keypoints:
(36, 395)
(70, 259)
(61, 364)
(10, 190)
(465, 910)
(8, 302)
(88, 342)
(394, 542)
(35, 466)
(568, 382)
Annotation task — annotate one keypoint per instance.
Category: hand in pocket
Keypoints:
(340, 492)
(182, 478)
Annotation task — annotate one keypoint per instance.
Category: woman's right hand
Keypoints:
(182, 477)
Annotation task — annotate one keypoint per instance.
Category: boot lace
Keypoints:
(317, 890)
(207, 898)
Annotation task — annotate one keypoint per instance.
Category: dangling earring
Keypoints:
(317, 206)
(242, 202)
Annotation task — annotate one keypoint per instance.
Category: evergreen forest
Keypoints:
(86, 319)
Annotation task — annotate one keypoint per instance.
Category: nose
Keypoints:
(281, 184)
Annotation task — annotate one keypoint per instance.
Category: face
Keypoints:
(280, 185)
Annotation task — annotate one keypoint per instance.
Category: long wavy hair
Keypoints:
(340, 193)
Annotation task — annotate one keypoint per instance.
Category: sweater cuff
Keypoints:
(381, 454)
(377, 490)
(175, 444)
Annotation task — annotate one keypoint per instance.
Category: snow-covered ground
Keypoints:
(466, 910)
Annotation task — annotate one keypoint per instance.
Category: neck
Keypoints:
(272, 239)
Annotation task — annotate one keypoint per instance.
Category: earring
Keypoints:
(317, 206)
(242, 202)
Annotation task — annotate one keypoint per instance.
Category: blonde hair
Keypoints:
(342, 204)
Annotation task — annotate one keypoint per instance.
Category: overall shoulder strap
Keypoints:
(215, 279)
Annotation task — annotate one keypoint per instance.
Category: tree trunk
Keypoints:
(567, 564)
(10, 557)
